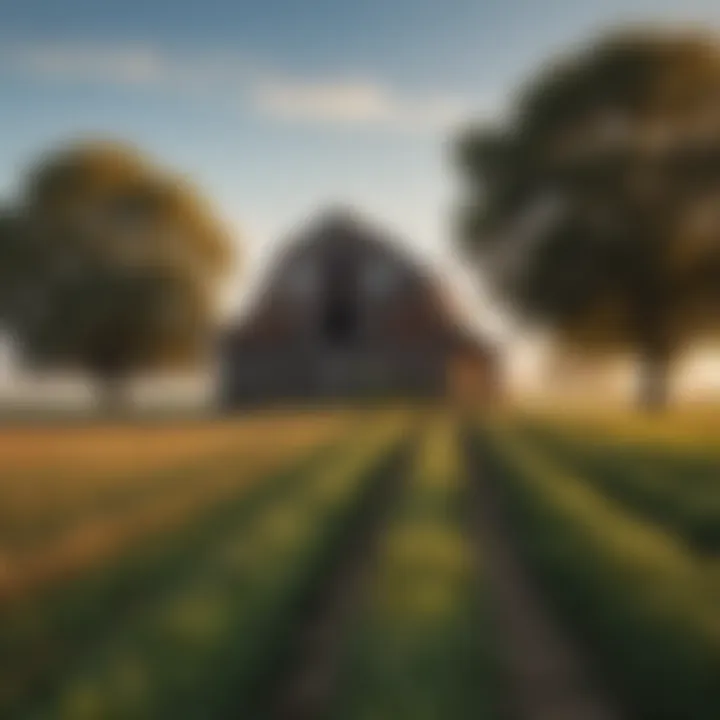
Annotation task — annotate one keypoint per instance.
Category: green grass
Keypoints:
(42, 634)
(643, 602)
(183, 629)
(422, 648)
(679, 489)
(193, 619)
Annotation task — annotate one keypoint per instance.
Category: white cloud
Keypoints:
(87, 63)
(229, 77)
(128, 65)
(353, 102)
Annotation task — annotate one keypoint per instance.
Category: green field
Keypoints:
(422, 645)
(167, 572)
(619, 522)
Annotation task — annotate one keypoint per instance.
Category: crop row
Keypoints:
(643, 604)
(126, 563)
(111, 476)
(680, 490)
(198, 644)
(421, 646)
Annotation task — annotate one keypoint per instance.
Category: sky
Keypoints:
(280, 107)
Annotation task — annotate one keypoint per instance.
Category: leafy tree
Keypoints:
(118, 265)
(8, 260)
(595, 206)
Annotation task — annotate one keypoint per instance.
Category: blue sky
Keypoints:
(277, 107)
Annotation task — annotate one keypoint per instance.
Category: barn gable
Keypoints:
(344, 312)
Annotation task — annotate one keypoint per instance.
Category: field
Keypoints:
(398, 563)
(619, 522)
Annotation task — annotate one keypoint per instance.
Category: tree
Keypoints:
(595, 207)
(8, 260)
(120, 265)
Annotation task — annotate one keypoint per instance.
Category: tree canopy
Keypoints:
(113, 264)
(594, 206)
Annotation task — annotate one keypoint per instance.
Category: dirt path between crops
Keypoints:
(305, 689)
(547, 675)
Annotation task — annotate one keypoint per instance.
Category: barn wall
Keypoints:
(402, 329)
(263, 375)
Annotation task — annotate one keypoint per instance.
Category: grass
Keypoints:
(191, 640)
(421, 647)
(645, 604)
(692, 427)
(72, 524)
(54, 623)
(159, 571)
(52, 475)
(677, 488)
(63, 590)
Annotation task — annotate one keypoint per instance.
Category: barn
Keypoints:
(345, 312)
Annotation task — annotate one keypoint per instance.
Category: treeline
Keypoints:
(592, 207)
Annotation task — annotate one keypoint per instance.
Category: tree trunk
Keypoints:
(654, 381)
(111, 395)
(651, 311)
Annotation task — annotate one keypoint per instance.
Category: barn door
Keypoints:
(340, 307)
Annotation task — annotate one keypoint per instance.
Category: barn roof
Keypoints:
(344, 225)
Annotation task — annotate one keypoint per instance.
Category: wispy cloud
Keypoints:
(131, 65)
(357, 102)
(126, 66)
(345, 102)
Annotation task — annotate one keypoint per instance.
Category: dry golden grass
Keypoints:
(47, 472)
(132, 447)
(690, 427)
(62, 533)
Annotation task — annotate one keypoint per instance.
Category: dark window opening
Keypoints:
(341, 322)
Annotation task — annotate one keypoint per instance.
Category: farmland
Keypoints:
(377, 563)
(421, 646)
(605, 518)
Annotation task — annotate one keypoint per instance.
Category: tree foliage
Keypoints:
(595, 206)
(114, 264)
